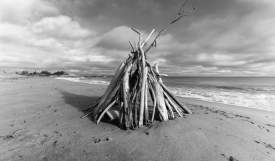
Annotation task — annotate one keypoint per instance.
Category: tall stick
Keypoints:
(126, 95)
(148, 38)
(153, 96)
(173, 105)
(143, 84)
(160, 102)
(146, 112)
(179, 16)
(171, 112)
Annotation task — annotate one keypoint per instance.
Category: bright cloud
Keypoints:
(61, 27)
(34, 34)
(223, 38)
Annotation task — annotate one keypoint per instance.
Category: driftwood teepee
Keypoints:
(137, 92)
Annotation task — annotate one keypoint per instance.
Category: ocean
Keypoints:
(250, 92)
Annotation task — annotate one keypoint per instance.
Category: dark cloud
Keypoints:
(223, 37)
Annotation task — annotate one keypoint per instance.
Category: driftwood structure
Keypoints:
(137, 93)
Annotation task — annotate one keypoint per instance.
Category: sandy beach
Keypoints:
(40, 121)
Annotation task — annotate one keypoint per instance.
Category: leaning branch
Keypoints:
(180, 15)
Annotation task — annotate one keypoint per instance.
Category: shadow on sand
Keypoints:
(80, 102)
(84, 104)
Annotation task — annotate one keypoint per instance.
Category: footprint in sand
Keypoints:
(269, 146)
(98, 140)
(55, 143)
(240, 117)
(10, 136)
(230, 158)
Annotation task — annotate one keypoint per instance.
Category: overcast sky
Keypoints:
(223, 37)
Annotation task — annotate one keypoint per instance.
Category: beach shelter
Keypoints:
(136, 96)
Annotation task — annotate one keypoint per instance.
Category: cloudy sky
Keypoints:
(222, 38)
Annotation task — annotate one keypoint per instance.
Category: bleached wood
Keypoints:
(136, 30)
(171, 112)
(188, 111)
(160, 102)
(164, 75)
(157, 71)
(126, 95)
(105, 110)
(153, 97)
(173, 105)
(143, 84)
(112, 84)
(179, 16)
(111, 90)
(168, 92)
(131, 84)
(107, 93)
(160, 99)
(148, 38)
(132, 47)
(146, 112)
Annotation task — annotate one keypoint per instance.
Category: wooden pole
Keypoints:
(148, 38)
(126, 95)
(146, 112)
(160, 102)
(171, 112)
(105, 110)
(175, 100)
(111, 87)
(142, 99)
(173, 105)
(144, 72)
(153, 96)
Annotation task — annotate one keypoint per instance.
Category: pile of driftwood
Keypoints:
(137, 92)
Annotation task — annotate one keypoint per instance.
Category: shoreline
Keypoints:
(40, 120)
(104, 82)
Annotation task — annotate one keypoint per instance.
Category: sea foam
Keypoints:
(263, 101)
(84, 80)
(253, 97)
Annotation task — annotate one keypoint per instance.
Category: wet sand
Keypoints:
(40, 121)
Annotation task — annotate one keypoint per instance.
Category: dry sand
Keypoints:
(40, 121)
